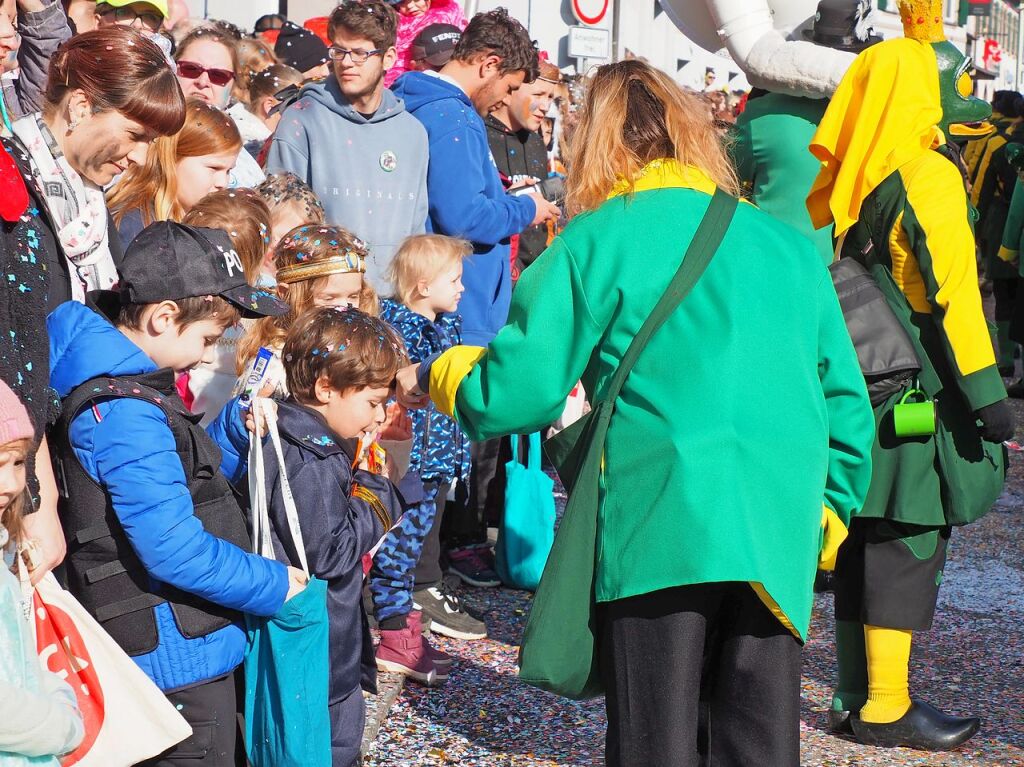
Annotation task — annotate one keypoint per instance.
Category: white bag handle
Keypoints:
(258, 488)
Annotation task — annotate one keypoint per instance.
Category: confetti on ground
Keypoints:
(970, 663)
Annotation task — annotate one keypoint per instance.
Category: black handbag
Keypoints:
(885, 352)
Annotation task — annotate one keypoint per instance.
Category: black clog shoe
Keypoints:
(923, 727)
(839, 722)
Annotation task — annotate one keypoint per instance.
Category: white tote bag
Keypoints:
(127, 718)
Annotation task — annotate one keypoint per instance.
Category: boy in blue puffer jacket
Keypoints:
(157, 544)
(427, 275)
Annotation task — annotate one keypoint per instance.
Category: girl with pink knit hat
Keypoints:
(413, 17)
(39, 715)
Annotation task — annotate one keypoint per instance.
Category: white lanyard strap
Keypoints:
(260, 501)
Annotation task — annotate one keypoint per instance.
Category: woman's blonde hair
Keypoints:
(11, 516)
(633, 114)
(244, 216)
(423, 257)
(308, 246)
(153, 186)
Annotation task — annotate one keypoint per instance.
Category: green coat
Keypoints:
(771, 155)
(746, 412)
(994, 204)
(1013, 232)
(919, 221)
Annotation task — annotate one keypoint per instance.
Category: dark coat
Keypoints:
(342, 514)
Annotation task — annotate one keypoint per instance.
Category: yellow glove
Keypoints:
(833, 533)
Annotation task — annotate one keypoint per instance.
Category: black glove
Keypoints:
(996, 421)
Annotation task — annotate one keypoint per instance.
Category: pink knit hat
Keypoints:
(14, 421)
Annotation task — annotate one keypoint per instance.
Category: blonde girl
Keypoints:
(316, 266)
(178, 172)
(39, 715)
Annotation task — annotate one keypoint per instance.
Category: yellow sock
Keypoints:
(888, 656)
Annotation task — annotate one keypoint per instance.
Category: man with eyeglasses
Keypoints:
(352, 141)
(144, 15)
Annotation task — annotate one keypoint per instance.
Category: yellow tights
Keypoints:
(888, 656)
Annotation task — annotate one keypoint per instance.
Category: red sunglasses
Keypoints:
(192, 71)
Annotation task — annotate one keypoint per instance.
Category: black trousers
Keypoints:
(482, 498)
(211, 709)
(662, 653)
(480, 503)
(428, 563)
(888, 573)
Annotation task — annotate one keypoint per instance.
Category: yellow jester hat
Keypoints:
(888, 110)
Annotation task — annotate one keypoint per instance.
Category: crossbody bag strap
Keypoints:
(705, 242)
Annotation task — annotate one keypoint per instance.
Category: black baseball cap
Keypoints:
(168, 261)
(435, 44)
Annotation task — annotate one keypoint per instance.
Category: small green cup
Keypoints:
(914, 415)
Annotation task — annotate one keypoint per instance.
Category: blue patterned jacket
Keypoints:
(440, 449)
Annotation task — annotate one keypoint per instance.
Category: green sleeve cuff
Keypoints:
(983, 387)
(1006, 254)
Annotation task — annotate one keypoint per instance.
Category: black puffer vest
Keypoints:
(102, 569)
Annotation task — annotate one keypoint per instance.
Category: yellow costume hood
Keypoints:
(885, 113)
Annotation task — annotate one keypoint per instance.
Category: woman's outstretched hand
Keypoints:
(407, 388)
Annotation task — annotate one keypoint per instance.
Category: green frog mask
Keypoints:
(964, 115)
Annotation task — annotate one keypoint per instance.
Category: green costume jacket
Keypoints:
(994, 205)
(745, 414)
(976, 153)
(918, 221)
(1013, 232)
(771, 156)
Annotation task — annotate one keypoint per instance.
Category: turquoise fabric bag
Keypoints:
(287, 662)
(528, 529)
(286, 679)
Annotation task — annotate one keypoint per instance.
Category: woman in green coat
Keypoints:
(741, 438)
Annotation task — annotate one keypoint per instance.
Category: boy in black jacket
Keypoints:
(340, 366)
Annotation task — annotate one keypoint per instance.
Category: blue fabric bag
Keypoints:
(287, 666)
(528, 528)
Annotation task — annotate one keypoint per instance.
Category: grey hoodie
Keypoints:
(370, 174)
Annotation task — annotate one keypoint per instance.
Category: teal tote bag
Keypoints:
(528, 528)
(287, 666)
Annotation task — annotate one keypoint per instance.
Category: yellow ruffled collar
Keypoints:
(663, 174)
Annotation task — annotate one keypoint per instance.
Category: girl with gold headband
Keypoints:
(316, 266)
(891, 184)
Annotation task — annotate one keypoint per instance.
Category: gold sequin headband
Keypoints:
(346, 264)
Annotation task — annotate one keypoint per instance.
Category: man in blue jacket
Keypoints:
(157, 544)
(466, 198)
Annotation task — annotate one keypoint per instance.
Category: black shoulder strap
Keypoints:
(698, 255)
(107, 387)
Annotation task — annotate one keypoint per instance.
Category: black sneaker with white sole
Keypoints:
(444, 613)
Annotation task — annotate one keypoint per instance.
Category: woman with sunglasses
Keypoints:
(207, 62)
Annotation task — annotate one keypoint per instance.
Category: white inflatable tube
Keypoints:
(755, 32)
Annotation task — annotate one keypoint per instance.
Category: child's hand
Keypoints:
(407, 388)
(297, 581)
(398, 425)
(250, 417)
